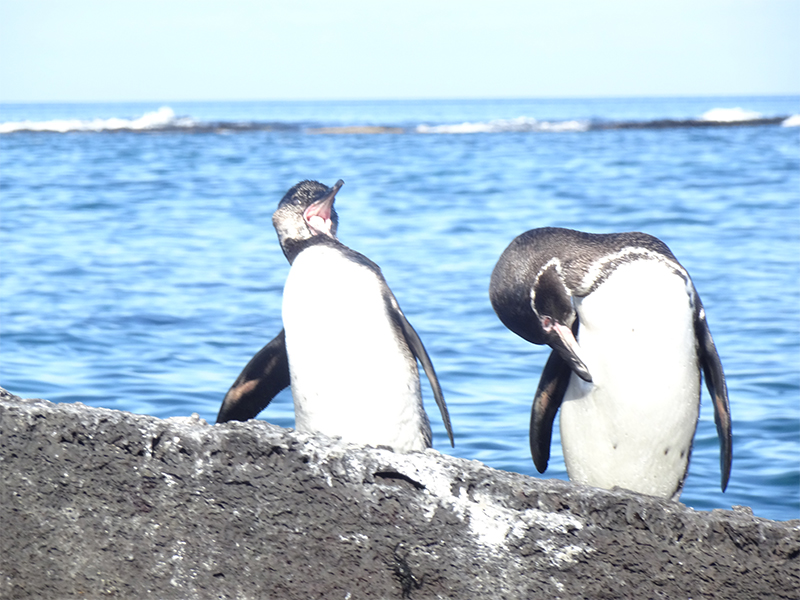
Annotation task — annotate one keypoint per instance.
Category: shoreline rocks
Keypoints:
(102, 503)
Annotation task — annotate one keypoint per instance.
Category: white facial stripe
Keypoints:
(596, 269)
(553, 262)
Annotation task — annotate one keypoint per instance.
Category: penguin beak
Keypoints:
(318, 215)
(566, 345)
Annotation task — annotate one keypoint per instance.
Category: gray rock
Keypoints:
(99, 503)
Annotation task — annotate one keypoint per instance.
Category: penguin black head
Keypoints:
(305, 211)
(535, 303)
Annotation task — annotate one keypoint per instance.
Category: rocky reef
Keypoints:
(98, 503)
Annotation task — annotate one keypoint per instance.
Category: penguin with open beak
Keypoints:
(347, 350)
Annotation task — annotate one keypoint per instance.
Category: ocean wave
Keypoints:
(730, 115)
(158, 119)
(793, 121)
(165, 120)
(520, 124)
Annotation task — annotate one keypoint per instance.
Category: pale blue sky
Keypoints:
(116, 50)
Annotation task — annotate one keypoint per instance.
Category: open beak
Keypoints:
(318, 215)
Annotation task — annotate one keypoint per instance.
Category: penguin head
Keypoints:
(555, 319)
(305, 211)
(529, 293)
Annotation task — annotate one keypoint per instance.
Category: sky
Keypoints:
(174, 50)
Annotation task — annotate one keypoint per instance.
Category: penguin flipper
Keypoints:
(263, 377)
(418, 349)
(715, 381)
(549, 395)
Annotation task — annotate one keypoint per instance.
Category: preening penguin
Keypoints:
(347, 350)
(629, 341)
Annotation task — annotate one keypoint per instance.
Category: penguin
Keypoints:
(347, 350)
(630, 344)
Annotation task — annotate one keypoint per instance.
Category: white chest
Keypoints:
(633, 425)
(352, 374)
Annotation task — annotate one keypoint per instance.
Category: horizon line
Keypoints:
(416, 99)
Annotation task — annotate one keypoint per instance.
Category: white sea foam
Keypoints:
(729, 115)
(162, 117)
(793, 121)
(522, 124)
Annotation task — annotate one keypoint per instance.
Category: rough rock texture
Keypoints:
(99, 503)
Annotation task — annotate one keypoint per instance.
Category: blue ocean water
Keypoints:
(140, 271)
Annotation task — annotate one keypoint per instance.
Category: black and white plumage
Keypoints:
(630, 340)
(347, 350)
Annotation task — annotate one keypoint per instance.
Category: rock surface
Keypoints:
(98, 503)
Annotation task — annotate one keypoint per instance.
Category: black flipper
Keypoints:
(421, 355)
(715, 381)
(265, 375)
(549, 395)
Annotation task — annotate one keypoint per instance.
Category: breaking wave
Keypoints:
(730, 115)
(162, 118)
(520, 124)
(165, 120)
(793, 121)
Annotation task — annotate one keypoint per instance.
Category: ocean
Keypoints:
(140, 271)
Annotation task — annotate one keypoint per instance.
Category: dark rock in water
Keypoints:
(101, 503)
(683, 123)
